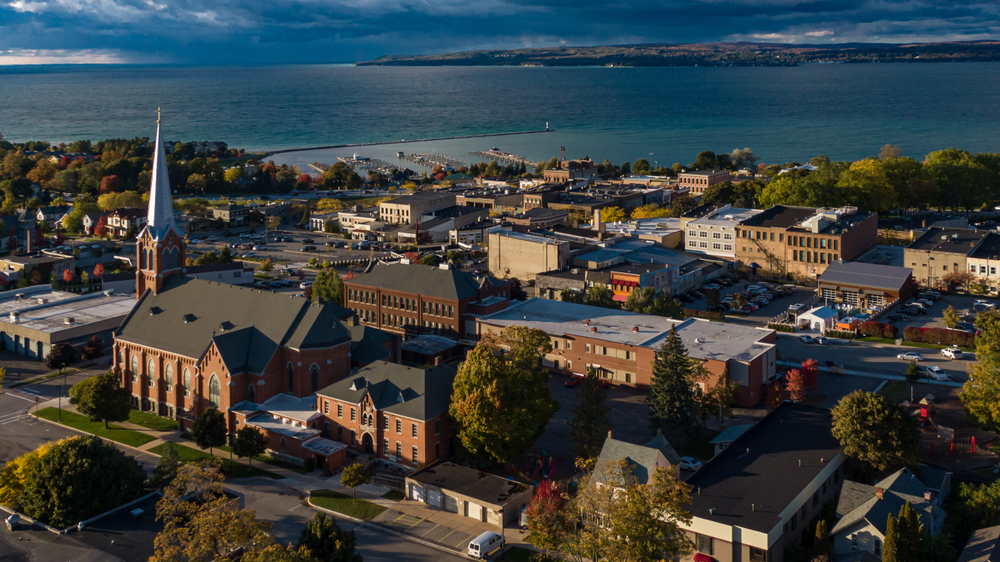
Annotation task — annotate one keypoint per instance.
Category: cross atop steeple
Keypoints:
(157, 115)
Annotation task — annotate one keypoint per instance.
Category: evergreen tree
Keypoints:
(672, 398)
(590, 425)
(908, 535)
(912, 372)
(891, 539)
(821, 543)
(327, 542)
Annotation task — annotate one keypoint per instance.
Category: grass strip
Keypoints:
(187, 454)
(83, 423)
(335, 501)
(151, 421)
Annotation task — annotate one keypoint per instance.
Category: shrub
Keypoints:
(941, 336)
(718, 316)
(877, 330)
(781, 327)
(310, 465)
(843, 334)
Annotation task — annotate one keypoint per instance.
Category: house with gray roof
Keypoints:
(478, 495)
(863, 510)
(983, 546)
(644, 459)
(391, 411)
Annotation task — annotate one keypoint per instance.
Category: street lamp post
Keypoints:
(503, 536)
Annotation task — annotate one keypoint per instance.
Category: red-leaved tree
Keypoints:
(68, 276)
(350, 275)
(102, 227)
(98, 271)
(110, 184)
(547, 516)
(799, 382)
(412, 256)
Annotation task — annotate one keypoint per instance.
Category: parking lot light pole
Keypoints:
(503, 537)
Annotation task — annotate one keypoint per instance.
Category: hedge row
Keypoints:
(842, 334)
(781, 327)
(942, 336)
(877, 330)
(718, 316)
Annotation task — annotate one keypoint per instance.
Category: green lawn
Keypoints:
(877, 340)
(340, 503)
(114, 432)
(151, 421)
(58, 374)
(272, 461)
(187, 454)
(893, 388)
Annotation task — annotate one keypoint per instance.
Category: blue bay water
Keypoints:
(784, 114)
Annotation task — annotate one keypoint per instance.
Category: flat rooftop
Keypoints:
(50, 316)
(428, 344)
(469, 482)
(703, 339)
(948, 240)
(529, 237)
(887, 277)
(726, 217)
(754, 479)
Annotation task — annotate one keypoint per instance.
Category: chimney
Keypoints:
(610, 434)
(659, 432)
(437, 360)
(598, 225)
(879, 493)
(927, 496)
(352, 321)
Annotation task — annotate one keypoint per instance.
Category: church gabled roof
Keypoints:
(246, 325)
(161, 207)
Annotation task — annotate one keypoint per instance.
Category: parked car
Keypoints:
(573, 381)
(952, 352)
(307, 248)
(684, 298)
(340, 245)
(308, 241)
(717, 308)
(259, 248)
(965, 326)
(936, 373)
(690, 463)
(820, 340)
(806, 339)
(305, 284)
(711, 287)
(910, 356)
(696, 295)
(899, 317)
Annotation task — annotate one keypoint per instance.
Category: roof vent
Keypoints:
(400, 397)
(15, 316)
(699, 340)
(593, 329)
(69, 320)
(42, 301)
(586, 322)
(635, 328)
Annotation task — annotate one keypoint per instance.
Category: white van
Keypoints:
(485, 545)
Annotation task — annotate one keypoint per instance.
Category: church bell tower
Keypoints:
(160, 247)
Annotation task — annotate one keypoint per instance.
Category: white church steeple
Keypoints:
(161, 209)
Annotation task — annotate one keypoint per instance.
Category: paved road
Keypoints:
(285, 508)
(869, 357)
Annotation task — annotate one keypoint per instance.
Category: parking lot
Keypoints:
(765, 312)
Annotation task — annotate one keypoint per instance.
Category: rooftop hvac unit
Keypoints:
(69, 320)
(575, 271)
(41, 301)
(15, 316)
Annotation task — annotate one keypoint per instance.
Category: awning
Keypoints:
(699, 557)
(619, 298)
(849, 289)
(867, 292)
(625, 283)
(827, 286)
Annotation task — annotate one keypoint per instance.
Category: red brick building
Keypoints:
(189, 344)
(392, 411)
(621, 345)
(412, 299)
(698, 181)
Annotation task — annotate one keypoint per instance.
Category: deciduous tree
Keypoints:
(79, 478)
(61, 356)
(590, 424)
(102, 398)
(328, 286)
(951, 318)
(774, 396)
(209, 429)
(166, 469)
(249, 442)
(355, 475)
(981, 393)
(327, 542)
(549, 520)
(502, 401)
(613, 214)
(873, 430)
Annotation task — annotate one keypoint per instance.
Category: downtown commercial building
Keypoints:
(621, 345)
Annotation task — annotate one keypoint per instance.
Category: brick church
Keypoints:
(259, 357)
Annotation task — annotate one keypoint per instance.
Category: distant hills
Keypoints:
(707, 54)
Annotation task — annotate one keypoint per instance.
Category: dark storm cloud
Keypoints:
(220, 31)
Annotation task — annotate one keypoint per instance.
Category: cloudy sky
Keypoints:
(272, 31)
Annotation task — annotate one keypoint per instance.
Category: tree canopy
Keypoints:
(79, 478)
(209, 429)
(981, 393)
(590, 424)
(873, 430)
(102, 398)
(327, 542)
(672, 397)
(501, 401)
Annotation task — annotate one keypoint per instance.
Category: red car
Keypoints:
(574, 381)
